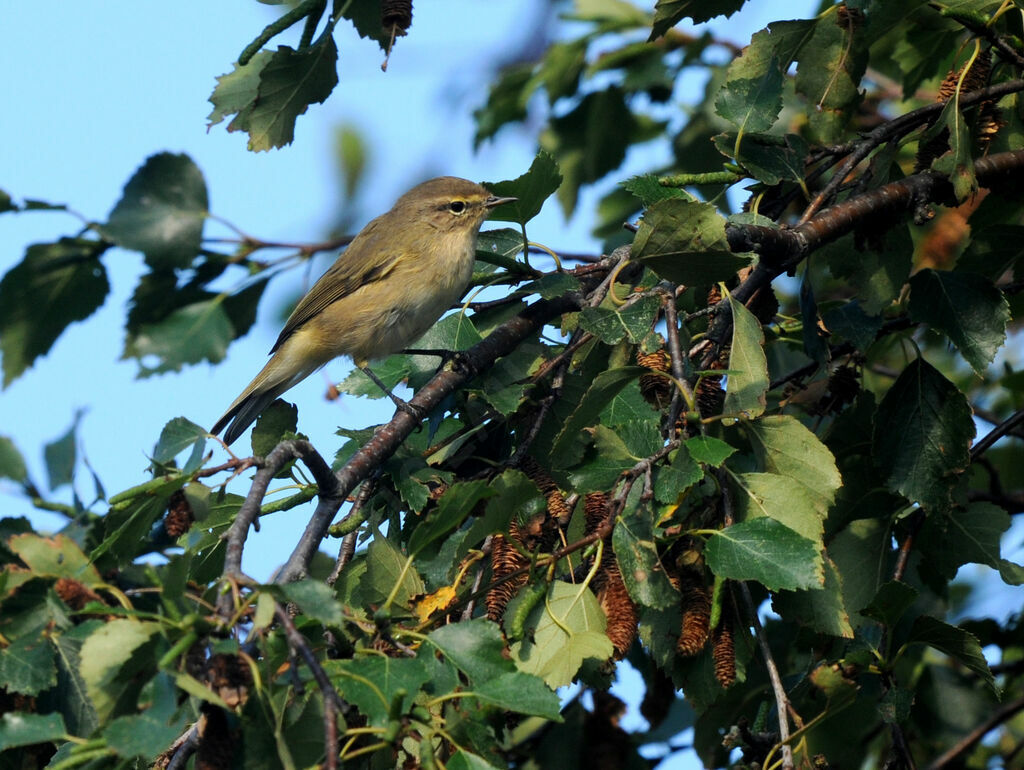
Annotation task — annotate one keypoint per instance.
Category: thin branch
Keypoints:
(1007, 426)
(974, 736)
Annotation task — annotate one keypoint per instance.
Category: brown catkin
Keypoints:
(557, 508)
(724, 653)
(179, 517)
(505, 559)
(74, 594)
(216, 749)
(230, 677)
(395, 16)
(656, 389)
(695, 628)
(618, 607)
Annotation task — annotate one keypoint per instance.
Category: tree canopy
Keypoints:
(747, 447)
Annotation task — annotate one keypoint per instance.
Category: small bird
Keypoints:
(397, 277)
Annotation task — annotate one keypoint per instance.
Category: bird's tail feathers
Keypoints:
(277, 376)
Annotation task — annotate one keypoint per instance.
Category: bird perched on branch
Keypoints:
(397, 277)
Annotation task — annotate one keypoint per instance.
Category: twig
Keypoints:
(332, 701)
(1007, 426)
(184, 747)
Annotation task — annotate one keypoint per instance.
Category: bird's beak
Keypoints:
(496, 201)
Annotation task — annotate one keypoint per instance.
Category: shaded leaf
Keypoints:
(709, 450)
(963, 535)
(12, 464)
(238, 89)
(966, 307)
(649, 190)
(611, 325)
(105, 653)
(748, 380)
(684, 241)
(179, 434)
(781, 498)
(637, 552)
(61, 456)
(568, 447)
(277, 421)
(821, 610)
(161, 211)
(372, 683)
(955, 642)
(27, 665)
(668, 13)
(452, 509)
(22, 729)
(197, 332)
(831, 65)
(923, 429)
(531, 190)
(475, 647)
(769, 159)
(751, 97)
(875, 275)
(55, 285)
(892, 600)
(315, 599)
(58, 557)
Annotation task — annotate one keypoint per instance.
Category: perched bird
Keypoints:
(397, 277)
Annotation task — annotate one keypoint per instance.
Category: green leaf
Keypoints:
(55, 285)
(475, 647)
(963, 535)
(781, 498)
(611, 325)
(105, 657)
(161, 212)
(642, 571)
(27, 665)
(452, 509)
(289, 82)
(12, 464)
(955, 642)
(748, 379)
(177, 435)
(385, 568)
(315, 599)
(674, 479)
(237, 90)
(77, 709)
(831, 65)
(61, 455)
(709, 450)
(372, 683)
(751, 97)
(958, 163)
(892, 600)
(684, 241)
(668, 13)
(966, 307)
(140, 735)
(769, 159)
(766, 551)
(923, 431)
(568, 446)
(862, 553)
(463, 760)
(23, 729)
(785, 446)
(531, 190)
(821, 610)
(562, 632)
(274, 423)
(57, 557)
(197, 332)
(525, 693)
(649, 190)
(506, 101)
(850, 322)
(875, 275)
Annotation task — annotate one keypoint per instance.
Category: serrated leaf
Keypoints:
(475, 647)
(386, 568)
(821, 610)
(923, 430)
(161, 212)
(530, 190)
(27, 665)
(781, 498)
(105, 653)
(831, 65)
(140, 735)
(966, 307)
(958, 163)
(315, 599)
(850, 322)
(768, 552)
(55, 285)
(23, 729)
(684, 241)
(58, 557)
(769, 159)
(892, 600)
(649, 190)
(962, 536)
(668, 13)
(568, 447)
(955, 642)
(177, 435)
(289, 82)
(197, 332)
(611, 325)
(748, 381)
(637, 552)
(785, 446)
(563, 631)
(238, 89)
(709, 450)
(372, 683)
(674, 479)
(751, 97)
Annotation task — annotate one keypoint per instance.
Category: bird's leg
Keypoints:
(404, 406)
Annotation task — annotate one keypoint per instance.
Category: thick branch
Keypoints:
(388, 438)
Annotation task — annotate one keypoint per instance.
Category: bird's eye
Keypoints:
(457, 207)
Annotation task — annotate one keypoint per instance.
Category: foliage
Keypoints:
(628, 457)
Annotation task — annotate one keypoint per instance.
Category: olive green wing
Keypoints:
(366, 260)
